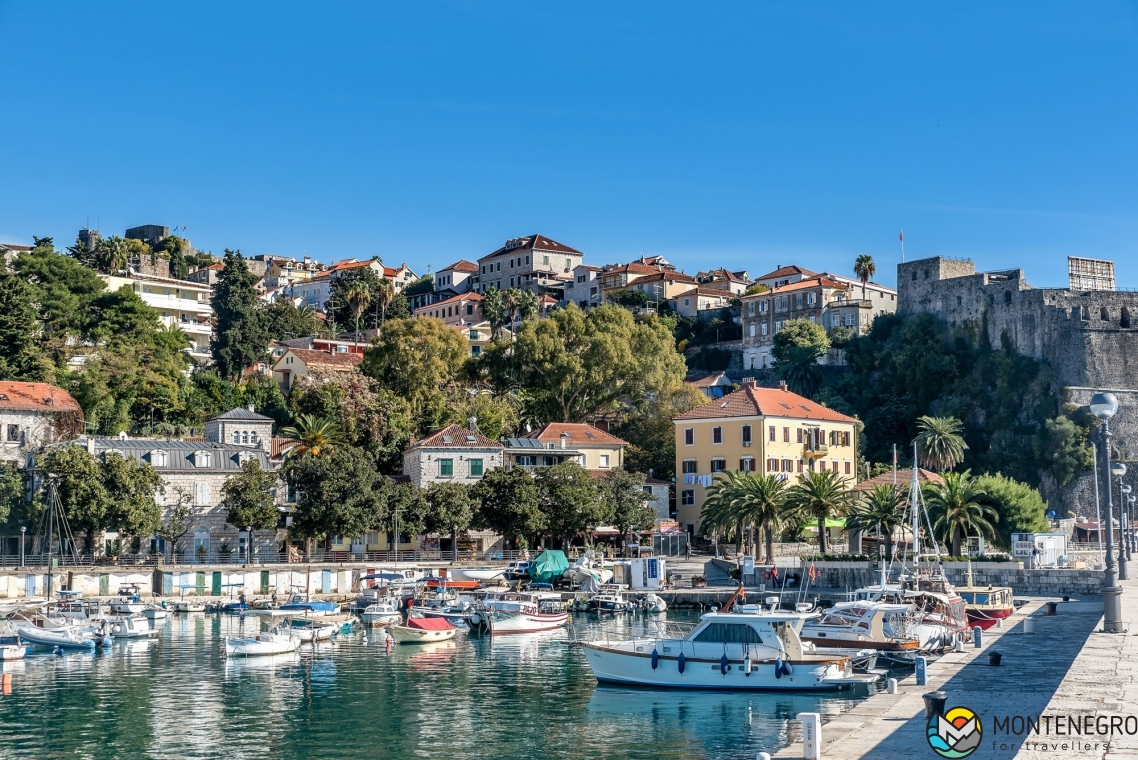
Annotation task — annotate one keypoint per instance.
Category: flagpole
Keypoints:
(901, 237)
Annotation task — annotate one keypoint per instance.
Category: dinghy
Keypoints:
(262, 644)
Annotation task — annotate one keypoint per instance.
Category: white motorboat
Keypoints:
(69, 637)
(128, 605)
(653, 603)
(380, 614)
(129, 627)
(519, 613)
(422, 630)
(747, 649)
(156, 613)
(865, 625)
(11, 648)
(309, 631)
(186, 606)
(262, 644)
(480, 574)
(610, 601)
(516, 571)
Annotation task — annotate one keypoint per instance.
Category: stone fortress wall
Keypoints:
(1090, 339)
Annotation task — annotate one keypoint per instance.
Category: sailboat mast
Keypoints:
(915, 508)
(50, 531)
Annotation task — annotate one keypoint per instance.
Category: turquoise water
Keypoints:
(513, 697)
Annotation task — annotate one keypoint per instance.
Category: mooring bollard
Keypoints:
(934, 703)
(891, 686)
(1053, 608)
(959, 645)
(1028, 625)
(999, 622)
(764, 756)
(811, 735)
(978, 637)
(920, 665)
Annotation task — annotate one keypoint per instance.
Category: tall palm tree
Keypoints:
(113, 254)
(820, 495)
(317, 435)
(511, 300)
(763, 501)
(721, 511)
(359, 296)
(527, 305)
(383, 295)
(959, 513)
(881, 509)
(939, 443)
(864, 268)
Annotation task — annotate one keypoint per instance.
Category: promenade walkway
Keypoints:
(1065, 668)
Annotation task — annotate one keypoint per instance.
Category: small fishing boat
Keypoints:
(299, 603)
(865, 625)
(129, 601)
(516, 571)
(447, 582)
(422, 631)
(273, 642)
(309, 630)
(519, 613)
(380, 614)
(70, 637)
(984, 606)
(480, 574)
(186, 606)
(130, 627)
(11, 648)
(611, 601)
(156, 612)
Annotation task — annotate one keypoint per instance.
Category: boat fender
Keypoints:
(681, 662)
(723, 665)
(747, 666)
(787, 668)
(655, 658)
(778, 669)
(116, 628)
(57, 651)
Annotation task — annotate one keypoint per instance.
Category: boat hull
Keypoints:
(56, 638)
(886, 646)
(524, 622)
(448, 583)
(379, 619)
(261, 647)
(635, 669)
(986, 618)
(10, 652)
(477, 574)
(405, 635)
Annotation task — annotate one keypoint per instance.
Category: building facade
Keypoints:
(457, 311)
(452, 455)
(460, 277)
(297, 363)
(535, 263)
(179, 303)
(34, 415)
(764, 430)
(583, 290)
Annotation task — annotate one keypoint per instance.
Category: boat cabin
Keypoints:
(874, 621)
(737, 633)
(999, 596)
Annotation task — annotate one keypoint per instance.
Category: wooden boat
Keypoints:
(380, 614)
(445, 583)
(422, 631)
(984, 606)
(261, 645)
(865, 625)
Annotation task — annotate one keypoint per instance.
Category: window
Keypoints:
(786, 435)
(474, 335)
(798, 300)
(729, 633)
(568, 264)
(847, 468)
(687, 497)
(834, 466)
(201, 494)
(244, 436)
(158, 458)
(718, 465)
(290, 493)
(811, 299)
(689, 436)
(687, 302)
(763, 329)
(762, 307)
(545, 260)
(237, 436)
(446, 468)
(800, 465)
(746, 435)
(604, 460)
(475, 468)
(772, 465)
(751, 330)
(787, 465)
(799, 434)
(751, 308)
(689, 467)
(717, 434)
(810, 464)
(203, 459)
(845, 439)
(13, 433)
(747, 464)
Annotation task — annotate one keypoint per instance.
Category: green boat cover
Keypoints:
(548, 567)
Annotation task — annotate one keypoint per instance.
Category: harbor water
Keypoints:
(176, 696)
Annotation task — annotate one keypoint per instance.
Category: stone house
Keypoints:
(33, 415)
(534, 263)
(453, 454)
(584, 289)
(462, 309)
(296, 363)
(459, 276)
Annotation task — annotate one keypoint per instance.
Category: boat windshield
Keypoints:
(729, 633)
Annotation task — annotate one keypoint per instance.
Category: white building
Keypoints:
(35, 414)
(452, 455)
(179, 303)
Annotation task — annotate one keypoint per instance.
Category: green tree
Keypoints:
(747, 499)
(81, 253)
(509, 504)
(175, 248)
(421, 286)
(13, 494)
(359, 296)
(570, 501)
(651, 433)
(112, 255)
(820, 495)
(880, 509)
(179, 516)
(318, 436)
(451, 509)
(63, 290)
(528, 305)
(797, 348)
(82, 493)
(249, 497)
(407, 506)
(624, 504)
(20, 357)
(284, 321)
(1019, 507)
(416, 358)
(939, 443)
(130, 486)
(635, 300)
(339, 494)
(958, 509)
(494, 309)
(864, 268)
(240, 338)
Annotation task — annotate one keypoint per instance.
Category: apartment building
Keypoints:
(735, 283)
(317, 290)
(558, 442)
(459, 310)
(783, 276)
(584, 290)
(460, 277)
(179, 303)
(765, 430)
(534, 263)
(691, 302)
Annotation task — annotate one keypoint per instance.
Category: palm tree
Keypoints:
(359, 296)
(958, 510)
(864, 268)
(763, 501)
(527, 305)
(801, 371)
(112, 254)
(939, 444)
(881, 509)
(383, 295)
(317, 435)
(721, 512)
(511, 300)
(820, 495)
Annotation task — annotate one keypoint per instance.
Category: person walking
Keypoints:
(687, 549)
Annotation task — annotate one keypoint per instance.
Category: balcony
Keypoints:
(852, 302)
(819, 449)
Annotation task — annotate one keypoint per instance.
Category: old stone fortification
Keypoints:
(1090, 339)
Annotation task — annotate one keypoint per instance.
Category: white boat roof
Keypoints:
(750, 617)
(865, 603)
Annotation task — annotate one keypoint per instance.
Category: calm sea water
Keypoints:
(513, 697)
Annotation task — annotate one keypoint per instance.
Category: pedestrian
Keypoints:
(1035, 558)
(687, 550)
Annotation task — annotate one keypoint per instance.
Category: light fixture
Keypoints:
(1118, 469)
(1103, 405)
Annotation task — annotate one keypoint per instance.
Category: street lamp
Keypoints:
(1118, 469)
(1130, 502)
(1103, 406)
(1124, 501)
(22, 532)
(248, 544)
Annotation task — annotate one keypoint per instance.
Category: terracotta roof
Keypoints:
(326, 358)
(462, 265)
(531, 242)
(41, 397)
(578, 433)
(752, 401)
(547, 299)
(904, 478)
(813, 282)
(280, 446)
(460, 297)
(456, 437)
(590, 267)
(786, 271)
(635, 268)
(15, 247)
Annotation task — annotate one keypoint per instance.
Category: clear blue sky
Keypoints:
(745, 135)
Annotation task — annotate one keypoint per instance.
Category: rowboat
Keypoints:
(986, 605)
(422, 631)
(261, 644)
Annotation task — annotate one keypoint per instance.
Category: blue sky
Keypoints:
(745, 135)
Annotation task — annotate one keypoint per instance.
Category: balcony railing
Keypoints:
(39, 562)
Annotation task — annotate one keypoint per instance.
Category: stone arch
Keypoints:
(1125, 317)
(1103, 314)
(1007, 296)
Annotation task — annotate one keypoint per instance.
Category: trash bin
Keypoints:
(934, 703)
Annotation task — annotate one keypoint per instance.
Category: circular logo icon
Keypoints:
(955, 734)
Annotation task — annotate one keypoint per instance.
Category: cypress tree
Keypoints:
(241, 338)
(18, 330)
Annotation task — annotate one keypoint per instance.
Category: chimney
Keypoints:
(472, 423)
(564, 437)
(91, 446)
(782, 385)
(250, 408)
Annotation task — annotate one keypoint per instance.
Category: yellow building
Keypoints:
(766, 430)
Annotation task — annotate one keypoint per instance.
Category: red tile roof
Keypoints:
(280, 446)
(15, 247)
(326, 358)
(787, 271)
(531, 242)
(578, 433)
(904, 478)
(40, 397)
(462, 265)
(752, 401)
(456, 437)
(460, 297)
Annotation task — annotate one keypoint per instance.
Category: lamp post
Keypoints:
(248, 545)
(1124, 501)
(22, 532)
(1103, 406)
(1130, 502)
(1118, 469)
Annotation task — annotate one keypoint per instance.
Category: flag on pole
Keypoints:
(901, 236)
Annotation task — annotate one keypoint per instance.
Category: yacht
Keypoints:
(888, 629)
